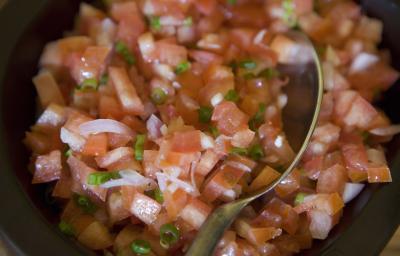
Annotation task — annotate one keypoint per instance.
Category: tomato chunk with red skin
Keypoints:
(289, 185)
(47, 167)
(355, 156)
(225, 178)
(378, 173)
(186, 142)
(229, 118)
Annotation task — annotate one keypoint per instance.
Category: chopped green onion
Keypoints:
(158, 195)
(289, 16)
(98, 178)
(140, 247)
(232, 2)
(66, 228)
(85, 204)
(139, 146)
(155, 23)
(205, 114)
(158, 96)
(68, 153)
(258, 118)
(299, 198)
(169, 235)
(247, 64)
(269, 73)
(238, 151)
(88, 84)
(256, 152)
(124, 51)
(249, 76)
(232, 95)
(182, 67)
(188, 21)
(104, 79)
(214, 131)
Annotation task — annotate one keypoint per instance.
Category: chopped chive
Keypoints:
(85, 204)
(155, 23)
(188, 21)
(140, 247)
(232, 2)
(258, 118)
(158, 96)
(68, 153)
(88, 84)
(238, 151)
(169, 235)
(299, 198)
(256, 152)
(249, 76)
(98, 178)
(125, 53)
(182, 67)
(232, 95)
(205, 114)
(269, 73)
(66, 228)
(214, 131)
(289, 16)
(158, 195)
(247, 64)
(103, 79)
(139, 146)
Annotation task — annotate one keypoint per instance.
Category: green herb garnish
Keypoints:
(139, 146)
(182, 67)
(232, 95)
(98, 178)
(258, 118)
(169, 235)
(256, 152)
(140, 247)
(125, 53)
(205, 114)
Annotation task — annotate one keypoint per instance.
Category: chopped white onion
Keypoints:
(131, 178)
(386, 131)
(189, 102)
(105, 125)
(260, 36)
(206, 141)
(216, 99)
(163, 177)
(282, 100)
(351, 190)
(146, 45)
(362, 61)
(153, 126)
(74, 141)
(164, 70)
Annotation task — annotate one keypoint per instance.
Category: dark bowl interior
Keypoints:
(26, 218)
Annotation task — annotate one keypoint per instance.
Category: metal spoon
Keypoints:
(300, 116)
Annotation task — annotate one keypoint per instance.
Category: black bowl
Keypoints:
(27, 222)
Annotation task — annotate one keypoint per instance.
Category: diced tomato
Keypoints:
(149, 160)
(332, 180)
(118, 140)
(131, 24)
(241, 162)
(48, 89)
(266, 177)
(286, 244)
(47, 167)
(96, 144)
(145, 208)
(91, 64)
(289, 185)
(80, 172)
(186, 142)
(207, 162)
(249, 15)
(170, 54)
(206, 7)
(96, 236)
(243, 138)
(314, 166)
(53, 117)
(115, 207)
(109, 107)
(114, 156)
(195, 213)
(303, 6)
(256, 235)
(355, 156)
(378, 173)
(330, 203)
(62, 189)
(229, 118)
(126, 92)
(205, 57)
(175, 202)
(224, 178)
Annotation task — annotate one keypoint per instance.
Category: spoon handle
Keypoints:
(213, 229)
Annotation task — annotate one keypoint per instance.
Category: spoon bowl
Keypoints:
(300, 115)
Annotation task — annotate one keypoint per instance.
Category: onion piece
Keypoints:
(386, 131)
(105, 125)
(163, 178)
(75, 141)
(154, 125)
(351, 190)
(131, 178)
